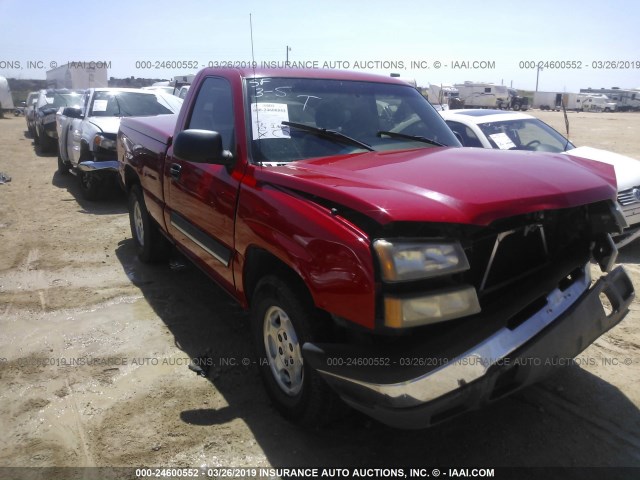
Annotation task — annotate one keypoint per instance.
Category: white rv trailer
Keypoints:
(75, 75)
(555, 100)
(586, 102)
(482, 95)
(6, 100)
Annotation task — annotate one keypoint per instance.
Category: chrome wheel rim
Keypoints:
(138, 223)
(283, 351)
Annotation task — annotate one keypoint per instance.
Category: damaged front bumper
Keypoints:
(93, 166)
(376, 381)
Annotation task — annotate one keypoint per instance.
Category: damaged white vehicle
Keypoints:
(519, 131)
(87, 135)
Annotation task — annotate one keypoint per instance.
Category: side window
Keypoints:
(213, 110)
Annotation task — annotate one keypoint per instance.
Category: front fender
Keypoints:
(331, 255)
(87, 131)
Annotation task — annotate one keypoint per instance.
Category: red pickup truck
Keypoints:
(382, 265)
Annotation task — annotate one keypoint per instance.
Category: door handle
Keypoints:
(174, 170)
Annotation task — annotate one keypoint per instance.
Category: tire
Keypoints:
(63, 168)
(516, 107)
(47, 144)
(91, 185)
(282, 320)
(150, 244)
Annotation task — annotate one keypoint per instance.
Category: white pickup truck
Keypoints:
(87, 134)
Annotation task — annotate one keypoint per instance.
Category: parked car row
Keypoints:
(41, 114)
(82, 126)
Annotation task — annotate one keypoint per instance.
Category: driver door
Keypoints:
(201, 198)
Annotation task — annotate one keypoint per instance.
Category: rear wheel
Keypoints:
(150, 245)
(282, 320)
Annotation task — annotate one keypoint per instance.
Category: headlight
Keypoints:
(402, 260)
(104, 142)
(439, 306)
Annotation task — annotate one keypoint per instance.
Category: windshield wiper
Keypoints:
(330, 134)
(410, 137)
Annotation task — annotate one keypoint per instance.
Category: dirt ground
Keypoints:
(94, 348)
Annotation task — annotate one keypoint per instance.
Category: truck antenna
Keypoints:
(253, 65)
(253, 58)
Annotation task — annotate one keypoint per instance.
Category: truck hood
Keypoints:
(106, 124)
(627, 168)
(450, 185)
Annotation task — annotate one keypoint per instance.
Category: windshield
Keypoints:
(132, 104)
(527, 134)
(359, 110)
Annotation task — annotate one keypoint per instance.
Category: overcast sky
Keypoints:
(376, 36)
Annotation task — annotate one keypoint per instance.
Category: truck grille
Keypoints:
(504, 254)
(629, 196)
(508, 256)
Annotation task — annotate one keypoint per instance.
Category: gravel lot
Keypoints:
(94, 347)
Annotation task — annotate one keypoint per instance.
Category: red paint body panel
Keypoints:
(450, 185)
(330, 255)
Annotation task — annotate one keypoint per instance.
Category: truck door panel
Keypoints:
(201, 198)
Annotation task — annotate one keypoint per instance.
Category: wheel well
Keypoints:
(260, 263)
(130, 178)
(85, 152)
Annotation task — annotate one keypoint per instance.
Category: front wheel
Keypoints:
(282, 320)
(63, 168)
(46, 143)
(150, 245)
(91, 185)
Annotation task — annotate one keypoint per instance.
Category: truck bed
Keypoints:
(148, 139)
(159, 128)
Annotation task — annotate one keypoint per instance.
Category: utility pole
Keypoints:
(288, 50)
(538, 76)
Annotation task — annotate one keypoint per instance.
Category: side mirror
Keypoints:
(201, 146)
(72, 112)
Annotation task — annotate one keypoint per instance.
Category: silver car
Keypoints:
(87, 135)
